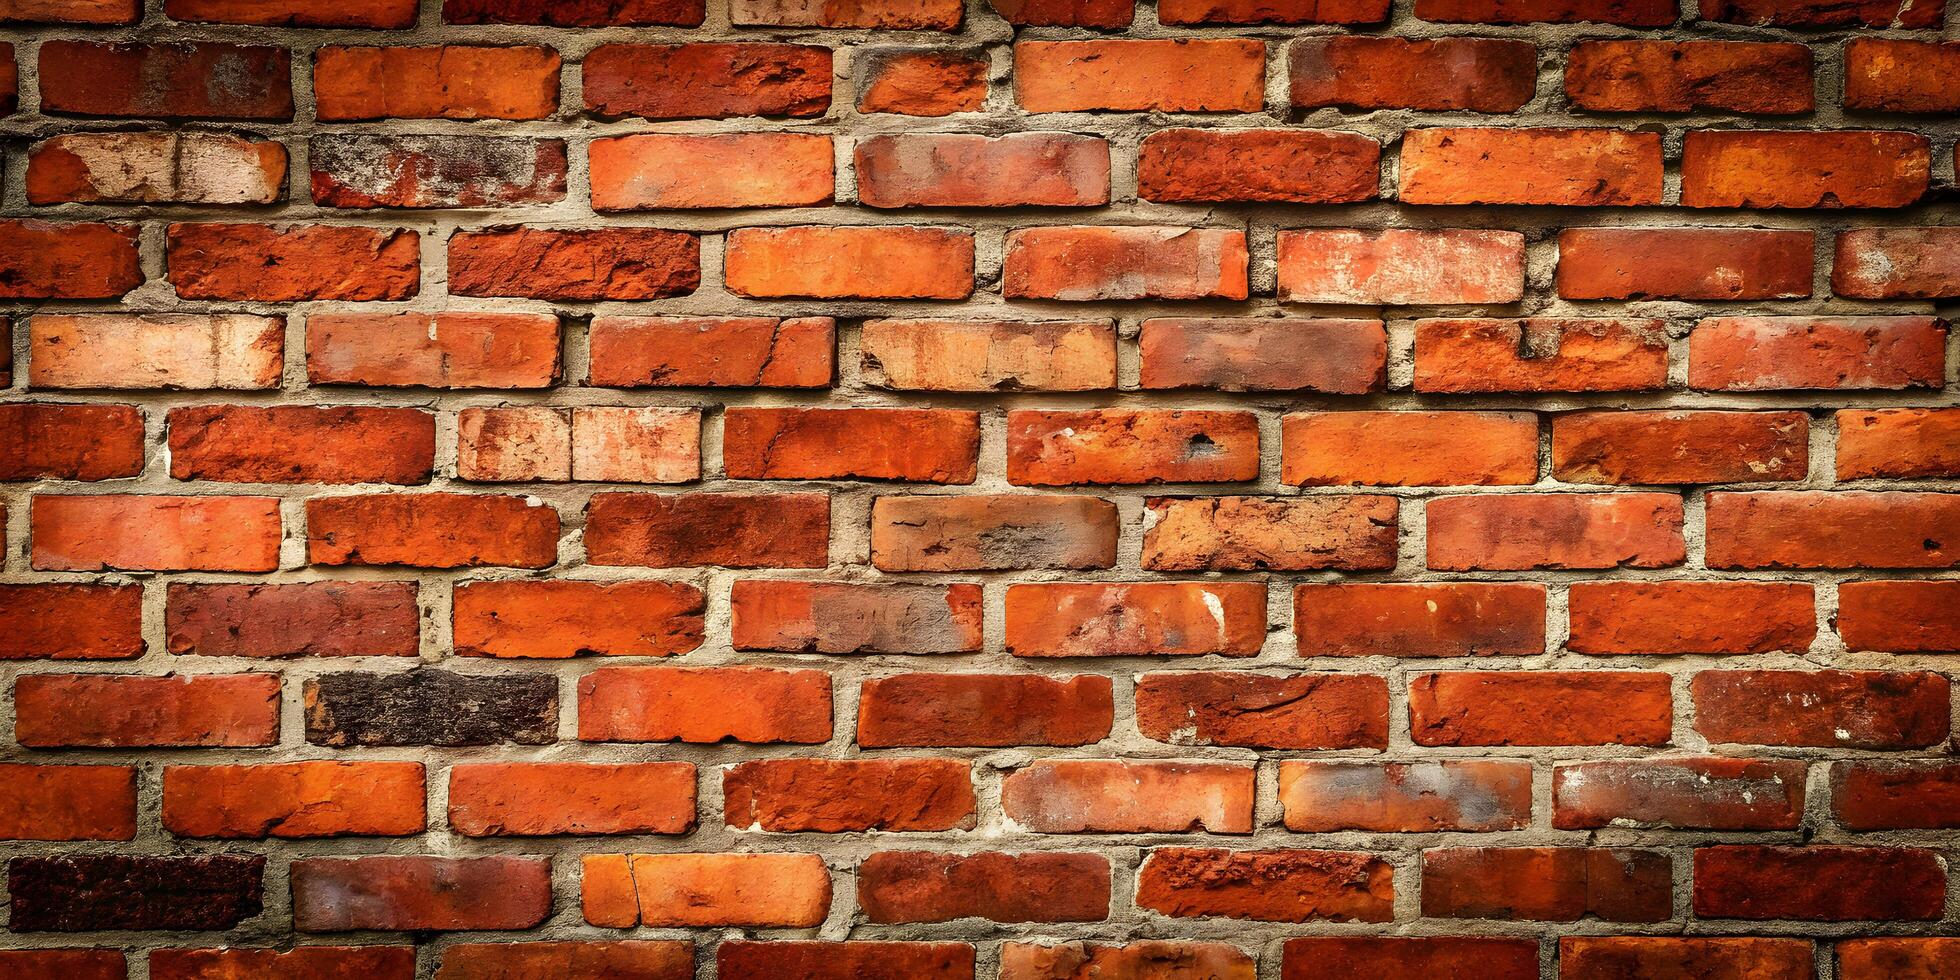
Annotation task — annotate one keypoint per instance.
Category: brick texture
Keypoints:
(979, 489)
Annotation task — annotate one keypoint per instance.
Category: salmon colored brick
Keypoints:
(127, 711)
(1857, 709)
(102, 12)
(1184, 12)
(1638, 618)
(376, 14)
(1895, 794)
(513, 444)
(284, 264)
(922, 445)
(1684, 263)
(613, 263)
(300, 963)
(155, 168)
(527, 799)
(1395, 449)
(1385, 957)
(1623, 447)
(413, 893)
(49, 260)
(1556, 531)
(1779, 353)
(1843, 529)
(969, 171)
(1540, 708)
(734, 530)
(448, 82)
(1821, 884)
(1337, 357)
(1461, 619)
(1168, 959)
(1300, 167)
(62, 621)
(707, 81)
(921, 886)
(434, 530)
(433, 350)
(1688, 792)
(166, 81)
(1082, 264)
(1411, 797)
(920, 81)
(1629, 13)
(754, 890)
(712, 352)
(131, 532)
(70, 442)
(1772, 79)
(1400, 267)
(575, 13)
(1301, 711)
(1812, 13)
(301, 444)
(1126, 446)
(1355, 533)
(1266, 886)
(1540, 354)
(849, 795)
(1901, 958)
(704, 704)
(926, 15)
(844, 618)
(1671, 956)
(1901, 76)
(988, 355)
(989, 710)
(1897, 263)
(1836, 169)
(1072, 796)
(1108, 14)
(1547, 884)
(1192, 75)
(850, 262)
(1900, 617)
(569, 619)
(1463, 73)
(1136, 619)
(738, 959)
(317, 619)
(66, 803)
(294, 800)
(936, 533)
(1570, 167)
(735, 170)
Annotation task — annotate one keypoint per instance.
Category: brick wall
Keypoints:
(876, 489)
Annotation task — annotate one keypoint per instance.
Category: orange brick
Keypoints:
(1801, 169)
(1395, 449)
(1565, 530)
(567, 619)
(522, 799)
(294, 800)
(1292, 534)
(1337, 357)
(1570, 167)
(143, 533)
(989, 355)
(1072, 796)
(1140, 619)
(1779, 353)
(1405, 797)
(1685, 76)
(1680, 447)
(925, 445)
(1400, 267)
(823, 262)
(736, 170)
(1112, 263)
(753, 890)
(66, 803)
(1540, 708)
(1411, 620)
(126, 711)
(450, 82)
(1192, 75)
(1257, 165)
(1474, 74)
(1691, 617)
(913, 170)
(1540, 355)
(1131, 446)
(433, 350)
(712, 352)
(707, 705)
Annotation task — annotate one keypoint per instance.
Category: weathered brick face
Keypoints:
(979, 489)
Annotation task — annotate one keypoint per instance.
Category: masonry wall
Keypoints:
(1047, 489)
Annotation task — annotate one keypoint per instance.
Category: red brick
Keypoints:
(1630, 447)
(1686, 792)
(1267, 886)
(1107, 14)
(576, 13)
(1679, 958)
(1897, 263)
(301, 444)
(926, 445)
(1571, 167)
(432, 530)
(704, 705)
(971, 171)
(1155, 959)
(1571, 530)
(9, 81)
(1641, 618)
(1630, 13)
(822, 262)
(989, 532)
(1287, 534)
(920, 81)
(1300, 167)
(579, 265)
(1336, 357)
(838, 796)
(1399, 449)
(1685, 76)
(1405, 797)
(1301, 711)
(1813, 13)
(299, 963)
(166, 81)
(755, 890)
(126, 711)
(1540, 708)
(320, 619)
(163, 534)
(525, 799)
(1473, 74)
(1548, 884)
(1397, 957)
(378, 14)
(61, 621)
(1272, 11)
(442, 82)
(988, 355)
(732, 170)
(1900, 617)
(385, 170)
(71, 964)
(707, 81)
(1772, 353)
(1128, 446)
(155, 168)
(1902, 958)
(48, 260)
(844, 617)
(1136, 619)
(433, 350)
(1901, 76)
(66, 803)
(737, 959)
(294, 800)
(1902, 443)
(917, 886)
(1084, 263)
(1842, 529)
(1684, 263)
(988, 710)
(1540, 354)
(1072, 796)
(733, 530)
(568, 619)
(70, 442)
(712, 352)
(98, 12)
(1127, 75)
(1460, 619)
(1799, 169)
(1825, 884)
(1400, 266)
(403, 894)
(290, 263)
(928, 15)
(191, 351)
(1894, 795)
(1848, 709)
